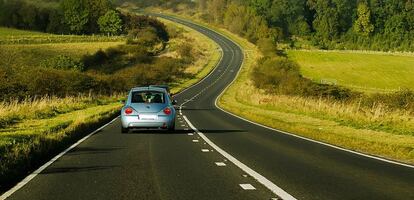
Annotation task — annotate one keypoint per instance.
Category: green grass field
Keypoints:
(31, 55)
(367, 72)
(20, 48)
(15, 36)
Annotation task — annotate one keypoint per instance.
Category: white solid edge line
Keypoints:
(261, 179)
(291, 134)
(277, 130)
(301, 137)
(44, 166)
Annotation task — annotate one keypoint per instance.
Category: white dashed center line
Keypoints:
(220, 164)
(205, 150)
(247, 187)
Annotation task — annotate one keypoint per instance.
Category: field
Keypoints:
(376, 131)
(34, 128)
(14, 36)
(362, 71)
(21, 48)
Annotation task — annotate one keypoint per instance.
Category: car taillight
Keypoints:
(167, 111)
(128, 111)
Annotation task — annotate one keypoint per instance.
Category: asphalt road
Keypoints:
(159, 165)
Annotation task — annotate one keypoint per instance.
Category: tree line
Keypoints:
(63, 16)
(385, 25)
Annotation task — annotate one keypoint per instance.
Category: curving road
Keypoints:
(259, 163)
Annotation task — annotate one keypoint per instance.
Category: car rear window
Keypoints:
(147, 97)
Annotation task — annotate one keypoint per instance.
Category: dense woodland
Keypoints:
(386, 25)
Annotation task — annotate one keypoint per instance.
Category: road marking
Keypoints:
(261, 179)
(247, 186)
(271, 186)
(291, 134)
(195, 141)
(205, 150)
(220, 164)
(191, 134)
(44, 166)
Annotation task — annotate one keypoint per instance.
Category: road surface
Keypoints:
(183, 165)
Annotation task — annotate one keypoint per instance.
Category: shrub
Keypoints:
(280, 75)
(110, 23)
(64, 63)
(185, 51)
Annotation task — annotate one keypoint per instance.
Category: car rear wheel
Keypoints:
(124, 130)
(172, 128)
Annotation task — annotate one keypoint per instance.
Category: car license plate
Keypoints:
(148, 117)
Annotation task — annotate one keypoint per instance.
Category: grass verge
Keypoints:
(374, 131)
(34, 130)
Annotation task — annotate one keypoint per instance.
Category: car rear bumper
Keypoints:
(133, 122)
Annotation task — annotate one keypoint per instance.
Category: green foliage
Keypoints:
(185, 51)
(362, 24)
(76, 15)
(328, 24)
(63, 63)
(135, 23)
(146, 36)
(110, 23)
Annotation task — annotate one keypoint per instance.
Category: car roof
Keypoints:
(158, 89)
(166, 87)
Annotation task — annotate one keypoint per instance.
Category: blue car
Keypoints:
(148, 108)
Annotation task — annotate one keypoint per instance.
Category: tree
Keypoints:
(363, 23)
(110, 23)
(28, 15)
(216, 9)
(55, 23)
(96, 9)
(76, 15)
(326, 21)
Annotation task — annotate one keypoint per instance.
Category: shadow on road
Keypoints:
(56, 170)
(91, 150)
(193, 109)
(181, 131)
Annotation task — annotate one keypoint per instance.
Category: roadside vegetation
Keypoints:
(271, 89)
(54, 88)
(33, 130)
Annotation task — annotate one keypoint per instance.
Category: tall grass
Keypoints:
(378, 117)
(34, 129)
(376, 129)
(15, 111)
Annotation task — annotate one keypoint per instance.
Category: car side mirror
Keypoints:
(174, 102)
